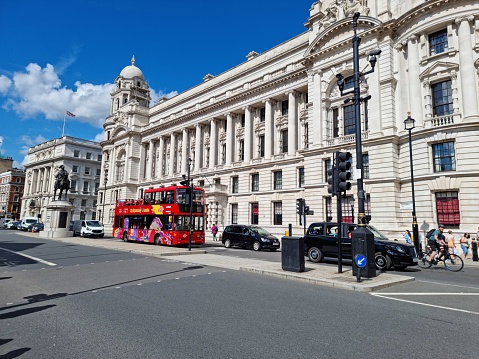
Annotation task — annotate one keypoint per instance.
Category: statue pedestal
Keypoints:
(57, 221)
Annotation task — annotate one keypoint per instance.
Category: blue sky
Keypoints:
(59, 56)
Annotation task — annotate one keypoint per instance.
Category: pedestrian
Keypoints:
(464, 242)
(451, 243)
(214, 231)
(407, 236)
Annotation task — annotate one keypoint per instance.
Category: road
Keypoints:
(70, 301)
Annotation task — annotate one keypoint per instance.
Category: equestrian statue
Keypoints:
(61, 182)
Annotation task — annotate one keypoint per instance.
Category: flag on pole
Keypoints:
(70, 114)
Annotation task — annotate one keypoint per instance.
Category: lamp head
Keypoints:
(409, 122)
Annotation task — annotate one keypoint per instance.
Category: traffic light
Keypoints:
(343, 164)
(185, 182)
(306, 209)
(299, 206)
(333, 180)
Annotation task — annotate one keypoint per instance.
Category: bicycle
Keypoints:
(452, 262)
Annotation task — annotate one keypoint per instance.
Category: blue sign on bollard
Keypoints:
(360, 260)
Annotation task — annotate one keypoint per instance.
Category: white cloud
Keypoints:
(99, 137)
(29, 141)
(39, 91)
(5, 84)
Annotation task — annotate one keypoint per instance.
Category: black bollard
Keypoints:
(474, 250)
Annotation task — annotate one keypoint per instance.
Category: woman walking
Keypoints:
(464, 242)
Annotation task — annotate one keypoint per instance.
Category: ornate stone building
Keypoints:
(81, 159)
(261, 135)
(12, 181)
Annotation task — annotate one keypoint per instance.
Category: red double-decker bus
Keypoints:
(162, 216)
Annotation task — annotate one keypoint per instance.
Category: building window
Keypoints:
(347, 208)
(241, 150)
(261, 146)
(75, 169)
(18, 180)
(223, 153)
(73, 186)
(327, 167)
(254, 213)
(88, 155)
(284, 107)
(365, 166)
(235, 184)
(87, 170)
(447, 206)
(83, 202)
(86, 185)
(349, 120)
(444, 156)
(243, 120)
(255, 182)
(97, 187)
(234, 213)
(278, 179)
(99, 158)
(328, 205)
(349, 83)
(76, 153)
(301, 177)
(438, 42)
(98, 171)
(335, 122)
(284, 141)
(262, 114)
(442, 98)
(278, 213)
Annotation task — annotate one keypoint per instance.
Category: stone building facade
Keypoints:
(81, 159)
(263, 134)
(12, 181)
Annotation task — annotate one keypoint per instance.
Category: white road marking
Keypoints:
(425, 304)
(30, 257)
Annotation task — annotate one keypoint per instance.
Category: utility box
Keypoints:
(363, 244)
(292, 254)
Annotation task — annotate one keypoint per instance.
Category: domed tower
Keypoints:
(130, 86)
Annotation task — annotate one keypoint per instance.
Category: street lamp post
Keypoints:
(409, 126)
(362, 238)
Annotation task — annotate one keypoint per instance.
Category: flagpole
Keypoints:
(64, 119)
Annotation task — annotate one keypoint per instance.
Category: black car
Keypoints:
(321, 241)
(36, 227)
(249, 237)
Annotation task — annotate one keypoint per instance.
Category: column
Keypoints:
(160, 157)
(198, 150)
(172, 153)
(292, 123)
(149, 161)
(213, 144)
(184, 152)
(248, 134)
(268, 129)
(229, 138)
(466, 66)
(317, 121)
(415, 101)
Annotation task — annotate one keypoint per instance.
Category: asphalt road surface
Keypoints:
(71, 301)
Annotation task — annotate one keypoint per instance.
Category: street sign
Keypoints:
(360, 260)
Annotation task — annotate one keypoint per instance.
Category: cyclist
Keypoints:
(435, 242)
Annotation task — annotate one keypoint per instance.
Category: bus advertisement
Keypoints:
(162, 217)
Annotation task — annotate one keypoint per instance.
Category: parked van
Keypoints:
(26, 222)
(87, 228)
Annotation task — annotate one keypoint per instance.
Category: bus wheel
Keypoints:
(125, 237)
(157, 240)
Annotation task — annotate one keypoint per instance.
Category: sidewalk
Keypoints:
(314, 273)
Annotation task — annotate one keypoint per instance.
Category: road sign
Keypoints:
(360, 260)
